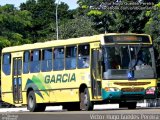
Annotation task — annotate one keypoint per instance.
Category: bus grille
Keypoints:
(131, 83)
(132, 89)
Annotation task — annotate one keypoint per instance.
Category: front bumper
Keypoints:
(119, 95)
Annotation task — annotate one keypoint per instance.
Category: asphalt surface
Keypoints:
(108, 114)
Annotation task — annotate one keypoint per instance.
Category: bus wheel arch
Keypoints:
(85, 103)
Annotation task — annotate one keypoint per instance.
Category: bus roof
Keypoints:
(53, 43)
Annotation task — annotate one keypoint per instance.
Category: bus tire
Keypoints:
(32, 105)
(132, 105)
(85, 103)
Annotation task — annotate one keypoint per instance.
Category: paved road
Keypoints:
(109, 114)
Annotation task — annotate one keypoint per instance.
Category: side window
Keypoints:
(83, 56)
(58, 62)
(46, 64)
(71, 53)
(17, 67)
(6, 64)
(26, 62)
(35, 61)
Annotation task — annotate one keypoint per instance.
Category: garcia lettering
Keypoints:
(60, 78)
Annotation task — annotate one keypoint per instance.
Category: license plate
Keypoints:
(149, 92)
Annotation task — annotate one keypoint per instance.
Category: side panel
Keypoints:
(7, 97)
(57, 86)
(68, 95)
(44, 98)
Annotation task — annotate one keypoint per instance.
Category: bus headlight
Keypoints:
(112, 89)
(150, 90)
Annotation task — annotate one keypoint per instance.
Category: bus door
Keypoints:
(17, 80)
(96, 74)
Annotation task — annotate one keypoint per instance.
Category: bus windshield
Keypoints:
(120, 60)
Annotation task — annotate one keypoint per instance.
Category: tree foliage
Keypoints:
(116, 20)
(36, 21)
(14, 26)
(152, 27)
(77, 27)
(44, 17)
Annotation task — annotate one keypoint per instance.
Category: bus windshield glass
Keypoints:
(120, 60)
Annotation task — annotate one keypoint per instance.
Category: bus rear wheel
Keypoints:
(85, 103)
(32, 105)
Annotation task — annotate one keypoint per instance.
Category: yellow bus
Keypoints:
(80, 72)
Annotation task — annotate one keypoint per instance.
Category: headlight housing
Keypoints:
(112, 89)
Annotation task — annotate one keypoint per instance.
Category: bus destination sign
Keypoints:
(126, 39)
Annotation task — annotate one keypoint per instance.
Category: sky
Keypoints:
(72, 3)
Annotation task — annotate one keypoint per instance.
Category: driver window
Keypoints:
(113, 59)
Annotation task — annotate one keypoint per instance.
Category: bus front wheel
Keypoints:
(85, 103)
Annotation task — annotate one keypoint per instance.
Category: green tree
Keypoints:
(14, 26)
(44, 17)
(114, 20)
(152, 27)
(77, 27)
(4, 42)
